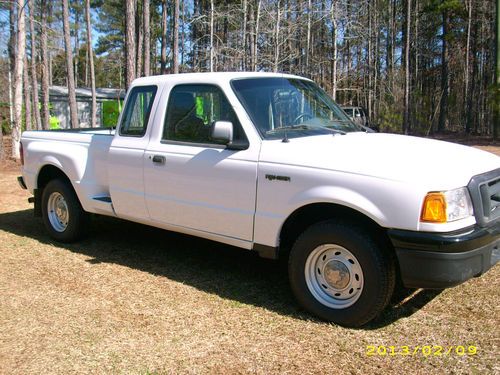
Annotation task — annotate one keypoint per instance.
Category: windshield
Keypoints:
(291, 107)
(349, 111)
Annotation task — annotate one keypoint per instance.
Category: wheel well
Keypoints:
(308, 215)
(48, 173)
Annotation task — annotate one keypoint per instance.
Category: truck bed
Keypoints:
(62, 149)
(68, 134)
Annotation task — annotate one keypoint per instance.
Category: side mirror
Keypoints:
(223, 131)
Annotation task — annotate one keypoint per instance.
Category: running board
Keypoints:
(103, 205)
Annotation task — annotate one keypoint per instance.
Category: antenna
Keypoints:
(285, 138)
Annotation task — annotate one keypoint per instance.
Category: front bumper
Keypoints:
(440, 260)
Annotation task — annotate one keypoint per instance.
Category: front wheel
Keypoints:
(62, 213)
(340, 274)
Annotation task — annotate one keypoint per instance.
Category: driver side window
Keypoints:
(193, 109)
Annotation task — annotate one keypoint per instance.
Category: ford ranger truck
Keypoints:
(269, 163)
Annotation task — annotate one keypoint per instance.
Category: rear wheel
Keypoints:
(63, 215)
(340, 274)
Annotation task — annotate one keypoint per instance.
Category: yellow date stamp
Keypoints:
(421, 350)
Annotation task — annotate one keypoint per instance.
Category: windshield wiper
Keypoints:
(285, 129)
(291, 127)
(334, 131)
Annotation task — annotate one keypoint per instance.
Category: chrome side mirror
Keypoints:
(223, 131)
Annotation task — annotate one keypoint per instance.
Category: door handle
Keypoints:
(158, 159)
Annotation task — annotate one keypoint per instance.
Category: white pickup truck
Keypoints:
(269, 163)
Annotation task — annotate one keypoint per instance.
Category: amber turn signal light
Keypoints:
(434, 208)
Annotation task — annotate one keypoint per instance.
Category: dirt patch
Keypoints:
(481, 142)
(493, 149)
(133, 299)
(10, 165)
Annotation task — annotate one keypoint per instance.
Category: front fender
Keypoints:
(389, 203)
(341, 196)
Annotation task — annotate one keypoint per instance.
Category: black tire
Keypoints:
(77, 220)
(377, 273)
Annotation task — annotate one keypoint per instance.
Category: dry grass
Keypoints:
(132, 299)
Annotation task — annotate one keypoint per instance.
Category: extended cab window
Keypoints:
(137, 110)
(193, 109)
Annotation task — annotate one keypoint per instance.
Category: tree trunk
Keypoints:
(416, 37)
(496, 97)
(147, 38)
(195, 34)
(27, 95)
(12, 35)
(244, 35)
(183, 33)
(175, 47)
(291, 35)
(335, 49)
(77, 43)
(370, 59)
(34, 80)
(277, 37)
(406, 115)
(163, 61)
(45, 115)
(256, 39)
(445, 76)
(18, 78)
(129, 42)
(12, 55)
(308, 35)
(376, 70)
(69, 67)
(212, 11)
(299, 38)
(467, 68)
(140, 39)
(86, 80)
(93, 109)
(389, 62)
(251, 35)
(51, 60)
(470, 121)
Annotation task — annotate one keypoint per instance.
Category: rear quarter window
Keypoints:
(137, 110)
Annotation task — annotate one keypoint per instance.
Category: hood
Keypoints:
(421, 161)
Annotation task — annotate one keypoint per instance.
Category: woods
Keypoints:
(416, 66)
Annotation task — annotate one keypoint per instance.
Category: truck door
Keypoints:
(194, 182)
(126, 154)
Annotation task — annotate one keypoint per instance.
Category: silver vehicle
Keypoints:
(357, 114)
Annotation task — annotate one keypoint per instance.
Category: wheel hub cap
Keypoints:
(336, 274)
(58, 212)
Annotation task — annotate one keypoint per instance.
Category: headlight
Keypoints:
(446, 206)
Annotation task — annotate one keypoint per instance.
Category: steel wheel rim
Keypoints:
(334, 276)
(58, 212)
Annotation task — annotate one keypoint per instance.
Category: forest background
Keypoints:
(416, 66)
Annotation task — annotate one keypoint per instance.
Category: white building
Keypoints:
(109, 103)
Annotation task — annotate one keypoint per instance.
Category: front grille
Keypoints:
(485, 193)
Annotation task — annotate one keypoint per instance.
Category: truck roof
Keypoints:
(209, 77)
